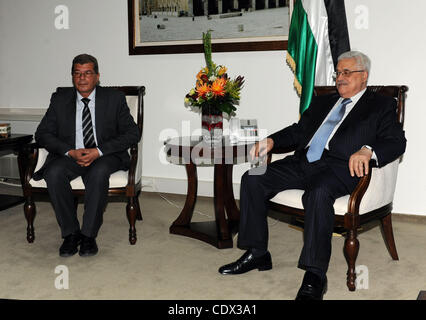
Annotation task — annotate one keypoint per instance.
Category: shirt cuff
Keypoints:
(100, 152)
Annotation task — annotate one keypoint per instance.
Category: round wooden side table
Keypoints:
(191, 151)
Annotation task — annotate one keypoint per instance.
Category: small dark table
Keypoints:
(15, 143)
(192, 151)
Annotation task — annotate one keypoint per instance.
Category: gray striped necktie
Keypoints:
(88, 138)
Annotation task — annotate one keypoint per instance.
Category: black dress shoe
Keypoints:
(88, 247)
(70, 245)
(248, 262)
(313, 287)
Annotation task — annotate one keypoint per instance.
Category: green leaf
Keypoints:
(208, 51)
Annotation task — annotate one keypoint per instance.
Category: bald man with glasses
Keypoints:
(335, 139)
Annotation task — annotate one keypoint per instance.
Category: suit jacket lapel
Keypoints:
(70, 113)
(356, 113)
(99, 102)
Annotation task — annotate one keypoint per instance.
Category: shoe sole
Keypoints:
(66, 255)
(87, 254)
(265, 268)
(322, 294)
(262, 268)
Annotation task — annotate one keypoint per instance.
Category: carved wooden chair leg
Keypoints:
(387, 230)
(138, 208)
(351, 252)
(131, 210)
(30, 212)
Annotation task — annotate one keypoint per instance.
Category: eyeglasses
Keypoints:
(78, 74)
(346, 73)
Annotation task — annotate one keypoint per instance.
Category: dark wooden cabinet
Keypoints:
(15, 143)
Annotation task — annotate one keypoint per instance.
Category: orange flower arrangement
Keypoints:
(202, 89)
(218, 87)
(213, 87)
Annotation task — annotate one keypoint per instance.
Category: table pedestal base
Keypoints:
(218, 233)
(191, 151)
(205, 231)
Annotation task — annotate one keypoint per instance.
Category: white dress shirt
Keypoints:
(79, 140)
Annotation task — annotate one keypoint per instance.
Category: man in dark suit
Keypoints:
(334, 141)
(87, 130)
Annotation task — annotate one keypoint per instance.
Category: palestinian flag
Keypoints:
(318, 35)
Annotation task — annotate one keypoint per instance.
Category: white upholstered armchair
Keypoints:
(371, 199)
(123, 185)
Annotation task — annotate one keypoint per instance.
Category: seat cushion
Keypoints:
(379, 193)
(293, 198)
(117, 180)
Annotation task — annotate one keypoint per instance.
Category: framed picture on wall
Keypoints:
(176, 26)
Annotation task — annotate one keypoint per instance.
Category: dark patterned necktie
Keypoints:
(88, 138)
(321, 136)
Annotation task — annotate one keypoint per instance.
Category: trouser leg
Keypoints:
(96, 182)
(58, 175)
(318, 200)
(256, 190)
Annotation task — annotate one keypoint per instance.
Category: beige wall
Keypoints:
(36, 58)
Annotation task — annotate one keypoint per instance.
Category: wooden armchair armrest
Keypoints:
(352, 216)
(132, 170)
(31, 154)
(32, 146)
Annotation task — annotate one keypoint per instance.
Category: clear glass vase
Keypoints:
(211, 125)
